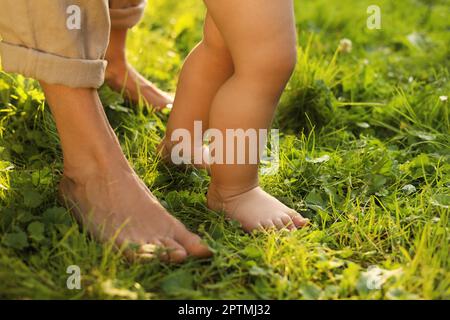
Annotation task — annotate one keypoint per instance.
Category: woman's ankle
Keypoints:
(81, 171)
(116, 54)
(88, 142)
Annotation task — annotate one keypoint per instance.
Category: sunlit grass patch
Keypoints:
(364, 154)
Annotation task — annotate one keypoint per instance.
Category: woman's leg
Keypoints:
(120, 75)
(261, 37)
(101, 187)
(98, 181)
(206, 68)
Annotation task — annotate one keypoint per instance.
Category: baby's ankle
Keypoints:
(224, 193)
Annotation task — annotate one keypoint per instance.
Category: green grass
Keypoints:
(365, 155)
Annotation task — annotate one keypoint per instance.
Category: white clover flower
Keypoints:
(345, 45)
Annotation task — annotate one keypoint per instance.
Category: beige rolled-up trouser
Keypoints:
(42, 39)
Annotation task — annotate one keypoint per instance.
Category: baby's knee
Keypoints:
(291, 58)
(283, 57)
(271, 60)
(284, 60)
(215, 48)
(213, 41)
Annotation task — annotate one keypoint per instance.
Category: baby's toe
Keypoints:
(297, 219)
(278, 222)
(254, 227)
(287, 221)
(268, 225)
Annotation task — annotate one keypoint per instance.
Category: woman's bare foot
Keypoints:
(122, 77)
(254, 209)
(102, 189)
(116, 204)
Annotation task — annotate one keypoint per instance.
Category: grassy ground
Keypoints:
(365, 155)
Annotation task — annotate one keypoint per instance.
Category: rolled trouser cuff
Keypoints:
(50, 68)
(127, 17)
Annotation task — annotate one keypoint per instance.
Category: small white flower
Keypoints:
(345, 45)
(409, 189)
(321, 159)
(443, 98)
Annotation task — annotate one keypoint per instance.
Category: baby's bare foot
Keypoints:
(254, 209)
(165, 149)
(122, 77)
(118, 205)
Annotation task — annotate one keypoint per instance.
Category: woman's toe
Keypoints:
(175, 252)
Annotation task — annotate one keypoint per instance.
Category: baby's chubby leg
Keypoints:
(206, 68)
(261, 37)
